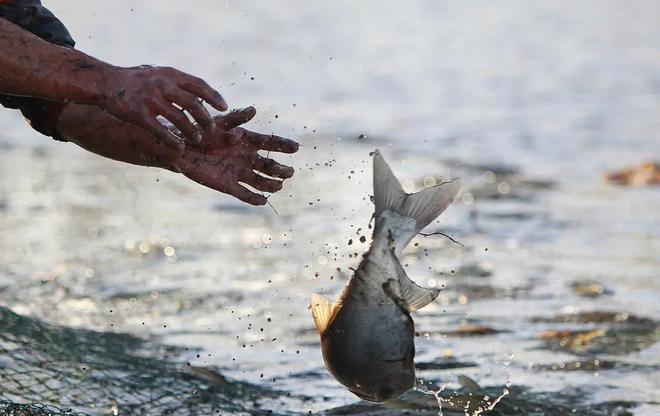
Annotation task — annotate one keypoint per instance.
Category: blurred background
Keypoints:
(552, 296)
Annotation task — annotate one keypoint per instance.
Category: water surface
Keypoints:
(528, 103)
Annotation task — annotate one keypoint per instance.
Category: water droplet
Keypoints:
(408, 185)
(144, 247)
(503, 187)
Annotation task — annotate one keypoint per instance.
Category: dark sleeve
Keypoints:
(32, 16)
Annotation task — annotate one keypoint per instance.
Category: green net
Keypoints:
(51, 370)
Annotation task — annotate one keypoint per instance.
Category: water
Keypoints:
(529, 103)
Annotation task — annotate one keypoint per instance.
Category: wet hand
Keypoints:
(138, 95)
(227, 158)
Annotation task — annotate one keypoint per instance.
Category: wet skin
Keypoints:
(229, 156)
(32, 67)
(113, 112)
(223, 160)
(373, 354)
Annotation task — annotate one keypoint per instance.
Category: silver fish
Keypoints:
(367, 337)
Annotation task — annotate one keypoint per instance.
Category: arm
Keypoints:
(30, 66)
(223, 158)
(33, 67)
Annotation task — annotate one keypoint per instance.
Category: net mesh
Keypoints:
(51, 370)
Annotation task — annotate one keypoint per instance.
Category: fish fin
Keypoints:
(423, 206)
(468, 383)
(388, 193)
(323, 311)
(415, 296)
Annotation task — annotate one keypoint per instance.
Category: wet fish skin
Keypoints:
(373, 355)
(367, 338)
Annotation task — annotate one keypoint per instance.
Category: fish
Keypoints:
(367, 336)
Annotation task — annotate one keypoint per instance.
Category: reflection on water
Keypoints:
(529, 104)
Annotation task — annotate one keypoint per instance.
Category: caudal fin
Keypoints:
(423, 206)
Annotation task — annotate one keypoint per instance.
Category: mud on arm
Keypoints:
(33, 67)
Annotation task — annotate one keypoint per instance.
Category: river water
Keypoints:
(529, 103)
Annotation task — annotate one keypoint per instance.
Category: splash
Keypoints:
(420, 387)
(471, 404)
(491, 405)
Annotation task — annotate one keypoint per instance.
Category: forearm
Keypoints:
(33, 67)
(95, 130)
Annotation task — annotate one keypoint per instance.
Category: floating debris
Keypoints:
(617, 333)
(590, 365)
(596, 317)
(573, 341)
(463, 293)
(647, 173)
(474, 270)
(590, 289)
(472, 330)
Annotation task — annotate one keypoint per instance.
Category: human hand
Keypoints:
(228, 156)
(138, 95)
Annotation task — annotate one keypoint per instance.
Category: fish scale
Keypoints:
(367, 337)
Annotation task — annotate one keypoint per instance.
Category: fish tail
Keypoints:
(423, 206)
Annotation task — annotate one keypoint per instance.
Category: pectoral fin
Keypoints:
(323, 311)
(415, 296)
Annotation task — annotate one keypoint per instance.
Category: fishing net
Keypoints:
(51, 370)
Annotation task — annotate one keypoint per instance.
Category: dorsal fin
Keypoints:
(323, 311)
(468, 383)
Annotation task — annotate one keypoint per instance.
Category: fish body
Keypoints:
(367, 337)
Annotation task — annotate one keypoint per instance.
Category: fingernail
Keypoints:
(223, 103)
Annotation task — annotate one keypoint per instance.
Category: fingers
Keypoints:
(245, 195)
(261, 183)
(225, 123)
(179, 119)
(201, 89)
(161, 132)
(192, 105)
(235, 118)
(207, 175)
(272, 168)
(270, 142)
